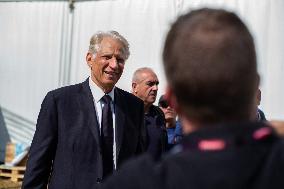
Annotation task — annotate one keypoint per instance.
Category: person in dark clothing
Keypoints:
(145, 86)
(157, 134)
(210, 64)
(86, 131)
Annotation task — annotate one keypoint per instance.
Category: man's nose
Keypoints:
(113, 63)
(155, 87)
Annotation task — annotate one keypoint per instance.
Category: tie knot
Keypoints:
(106, 99)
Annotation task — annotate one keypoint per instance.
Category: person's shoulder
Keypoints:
(67, 89)
(130, 97)
(65, 92)
(279, 147)
(139, 162)
(135, 173)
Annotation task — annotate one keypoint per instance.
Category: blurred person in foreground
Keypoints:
(145, 86)
(86, 131)
(210, 64)
(173, 126)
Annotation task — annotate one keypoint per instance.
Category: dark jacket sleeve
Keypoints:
(43, 146)
(164, 136)
(143, 139)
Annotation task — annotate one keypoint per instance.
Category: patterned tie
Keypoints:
(107, 136)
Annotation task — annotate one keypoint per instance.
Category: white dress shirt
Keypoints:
(98, 103)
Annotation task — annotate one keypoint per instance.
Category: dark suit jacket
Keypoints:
(65, 151)
(157, 133)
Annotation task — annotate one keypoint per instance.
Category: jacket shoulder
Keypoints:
(158, 111)
(279, 148)
(66, 90)
(130, 97)
(130, 174)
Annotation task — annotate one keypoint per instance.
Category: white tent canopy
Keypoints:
(43, 46)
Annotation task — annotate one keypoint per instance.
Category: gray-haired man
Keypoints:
(86, 131)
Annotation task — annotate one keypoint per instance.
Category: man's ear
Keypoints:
(134, 85)
(89, 58)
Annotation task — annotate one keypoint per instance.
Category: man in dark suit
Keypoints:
(210, 64)
(86, 131)
(145, 86)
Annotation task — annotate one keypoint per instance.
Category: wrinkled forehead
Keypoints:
(111, 45)
(149, 77)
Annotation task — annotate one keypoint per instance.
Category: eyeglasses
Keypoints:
(163, 104)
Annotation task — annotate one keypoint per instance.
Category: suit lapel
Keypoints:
(119, 119)
(87, 103)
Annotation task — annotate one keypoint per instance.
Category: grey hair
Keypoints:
(137, 74)
(96, 39)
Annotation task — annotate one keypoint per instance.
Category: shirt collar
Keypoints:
(97, 92)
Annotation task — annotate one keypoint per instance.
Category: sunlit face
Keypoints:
(147, 88)
(108, 63)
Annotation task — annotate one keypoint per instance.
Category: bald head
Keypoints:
(138, 75)
(145, 85)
